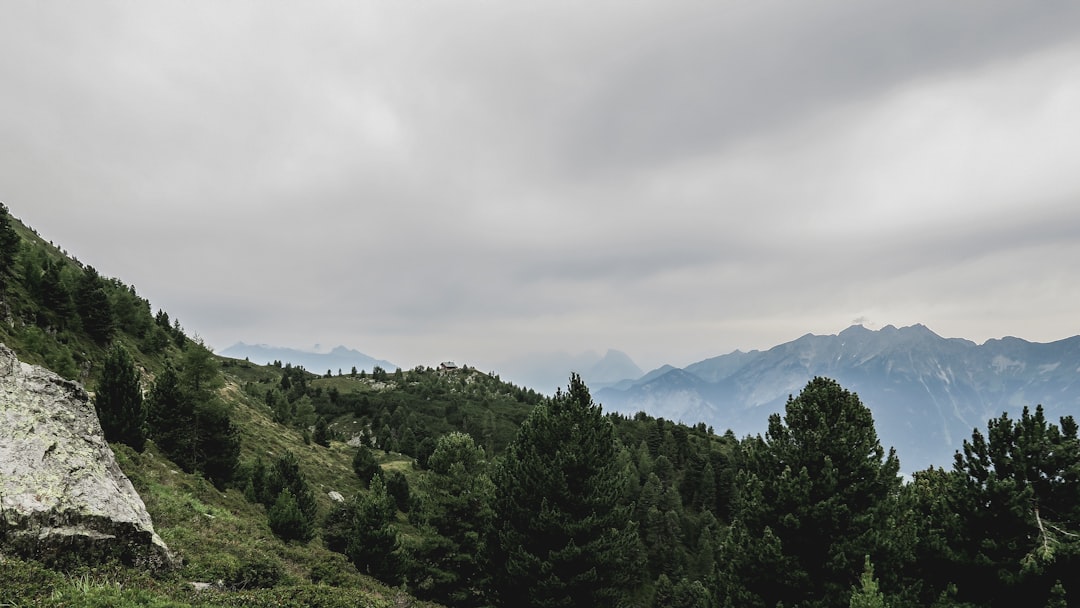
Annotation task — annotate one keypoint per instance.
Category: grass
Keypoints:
(222, 538)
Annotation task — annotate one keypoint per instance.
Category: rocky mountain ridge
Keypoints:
(927, 392)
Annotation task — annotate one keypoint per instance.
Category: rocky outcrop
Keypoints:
(62, 495)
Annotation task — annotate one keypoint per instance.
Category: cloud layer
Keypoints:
(477, 180)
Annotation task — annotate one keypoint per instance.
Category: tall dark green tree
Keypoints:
(9, 247)
(171, 420)
(365, 465)
(56, 306)
(818, 494)
(119, 400)
(456, 508)
(1017, 490)
(286, 475)
(286, 519)
(94, 307)
(363, 530)
(564, 536)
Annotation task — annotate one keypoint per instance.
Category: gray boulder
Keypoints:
(62, 495)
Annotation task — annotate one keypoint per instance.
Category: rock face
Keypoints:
(62, 495)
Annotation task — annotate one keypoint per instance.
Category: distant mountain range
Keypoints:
(927, 393)
(340, 358)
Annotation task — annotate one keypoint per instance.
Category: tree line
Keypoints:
(583, 509)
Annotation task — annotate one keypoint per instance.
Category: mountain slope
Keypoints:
(927, 392)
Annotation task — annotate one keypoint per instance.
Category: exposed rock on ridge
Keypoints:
(62, 495)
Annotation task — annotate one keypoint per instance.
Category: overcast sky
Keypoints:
(473, 181)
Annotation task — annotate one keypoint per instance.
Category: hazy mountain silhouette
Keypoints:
(927, 393)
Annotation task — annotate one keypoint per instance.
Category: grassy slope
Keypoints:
(220, 536)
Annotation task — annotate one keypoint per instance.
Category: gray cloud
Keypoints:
(476, 181)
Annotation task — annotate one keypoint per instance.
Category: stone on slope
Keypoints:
(62, 495)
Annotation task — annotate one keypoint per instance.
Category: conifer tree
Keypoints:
(94, 307)
(456, 507)
(365, 465)
(9, 247)
(1017, 490)
(817, 492)
(371, 541)
(564, 538)
(119, 400)
(171, 419)
(867, 594)
(1057, 596)
(286, 520)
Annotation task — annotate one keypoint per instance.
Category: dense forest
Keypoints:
(469, 491)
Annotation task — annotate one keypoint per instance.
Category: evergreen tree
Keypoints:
(867, 594)
(817, 492)
(1017, 490)
(321, 435)
(457, 509)
(94, 307)
(397, 486)
(56, 307)
(564, 538)
(200, 374)
(365, 465)
(218, 448)
(286, 475)
(1057, 596)
(9, 247)
(171, 419)
(287, 521)
(119, 400)
(363, 530)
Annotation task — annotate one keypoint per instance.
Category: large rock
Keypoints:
(62, 495)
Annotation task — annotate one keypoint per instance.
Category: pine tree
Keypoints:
(820, 484)
(1057, 596)
(1017, 490)
(457, 509)
(287, 521)
(564, 537)
(365, 465)
(321, 435)
(171, 419)
(94, 307)
(286, 475)
(218, 448)
(372, 543)
(9, 247)
(867, 594)
(119, 400)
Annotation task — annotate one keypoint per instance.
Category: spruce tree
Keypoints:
(9, 247)
(564, 536)
(867, 594)
(287, 521)
(821, 491)
(372, 542)
(119, 400)
(171, 419)
(1017, 490)
(365, 465)
(457, 509)
(94, 307)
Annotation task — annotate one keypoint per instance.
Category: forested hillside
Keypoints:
(284, 487)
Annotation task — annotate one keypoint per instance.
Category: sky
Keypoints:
(480, 180)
